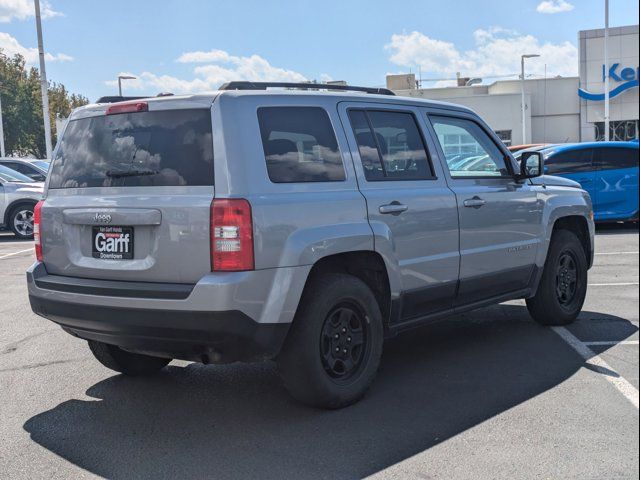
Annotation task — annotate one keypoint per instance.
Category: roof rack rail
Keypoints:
(302, 86)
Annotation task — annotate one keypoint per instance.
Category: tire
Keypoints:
(21, 220)
(337, 311)
(563, 286)
(127, 363)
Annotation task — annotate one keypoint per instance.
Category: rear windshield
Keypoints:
(163, 148)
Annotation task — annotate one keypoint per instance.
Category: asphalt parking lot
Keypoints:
(488, 395)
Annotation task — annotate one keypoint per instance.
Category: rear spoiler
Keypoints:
(118, 98)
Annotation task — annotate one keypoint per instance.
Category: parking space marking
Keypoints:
(16, 253)
(622, 284)
(612, 342)
(617, 253)
(624, 387)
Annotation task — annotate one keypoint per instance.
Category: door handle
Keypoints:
(394, 208)
(475, 202)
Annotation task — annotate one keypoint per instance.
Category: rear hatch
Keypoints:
(129, 193)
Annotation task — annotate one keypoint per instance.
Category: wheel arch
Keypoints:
(14, 204)
(366, 265)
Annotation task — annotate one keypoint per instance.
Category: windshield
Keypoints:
(41, 164)
(9, 175)
(157, 148)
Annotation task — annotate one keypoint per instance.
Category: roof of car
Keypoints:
(209, 97)
(584, 145)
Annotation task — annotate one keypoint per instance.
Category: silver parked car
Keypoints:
(295, 225)
(18, 197)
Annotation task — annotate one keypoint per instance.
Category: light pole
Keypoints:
(43, 84)
(123, 77)
(2, 152)
(524, 114)
(606, 71)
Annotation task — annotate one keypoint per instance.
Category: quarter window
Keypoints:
(468, 150)
(390, 145)
(299, 145)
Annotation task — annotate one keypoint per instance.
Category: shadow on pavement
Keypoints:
(9, 237)
(236, 421)
(616, 228)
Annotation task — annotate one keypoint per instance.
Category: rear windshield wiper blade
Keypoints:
(130, 173)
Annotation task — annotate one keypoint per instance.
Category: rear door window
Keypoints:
(616, 158)
(572, 161)
(156, 148)
(299, 145)
(390, 145)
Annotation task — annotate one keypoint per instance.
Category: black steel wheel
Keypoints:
(563, 286)
(566, 278)
(344, 341)
(332, 352)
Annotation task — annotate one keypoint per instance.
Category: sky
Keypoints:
(195, 45)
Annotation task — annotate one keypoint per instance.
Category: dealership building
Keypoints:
(558, 109)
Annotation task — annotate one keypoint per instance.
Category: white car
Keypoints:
(18, 196)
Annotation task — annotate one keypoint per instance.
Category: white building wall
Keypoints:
(623, 49)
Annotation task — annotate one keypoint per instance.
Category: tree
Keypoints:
(22, 107)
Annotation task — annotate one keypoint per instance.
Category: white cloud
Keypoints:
(213, 68)
(497, 52)
(554, 6)
(10, 46)
(22, 9)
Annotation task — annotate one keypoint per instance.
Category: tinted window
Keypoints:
(170, 147)
(19, 167)
(9, 175)
(390, 145)
(573, 161)
(616, 158)
(468, 150)
(369, 156)
(299, 145)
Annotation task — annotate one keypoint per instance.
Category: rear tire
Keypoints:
(21, 221)
(127, 363)
(563, 286)
(333, 349)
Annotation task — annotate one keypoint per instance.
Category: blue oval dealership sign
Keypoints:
(627, 77)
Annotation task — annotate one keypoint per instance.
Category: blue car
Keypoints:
(607, 170)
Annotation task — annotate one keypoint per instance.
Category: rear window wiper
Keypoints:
(130, 173)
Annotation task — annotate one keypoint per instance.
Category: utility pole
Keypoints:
(44, 86)
(523, 104)
(606, 71)
(2, 152)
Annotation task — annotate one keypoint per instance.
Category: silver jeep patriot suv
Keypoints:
(294, 224)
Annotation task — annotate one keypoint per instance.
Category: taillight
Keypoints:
(127, 108)
(231, 235)
(37, 219)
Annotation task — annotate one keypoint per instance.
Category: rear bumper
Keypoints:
(216, 337)
(220, 319)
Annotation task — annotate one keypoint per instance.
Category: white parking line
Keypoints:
(623, 284)
(627, 389)
(613, 342)
(617, 253)
(16, 253)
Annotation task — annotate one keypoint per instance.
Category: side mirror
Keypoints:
(531, 164)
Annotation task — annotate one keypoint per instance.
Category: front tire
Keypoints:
(332, 352)
(21, 221)
(127, 363)
(563, 286)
